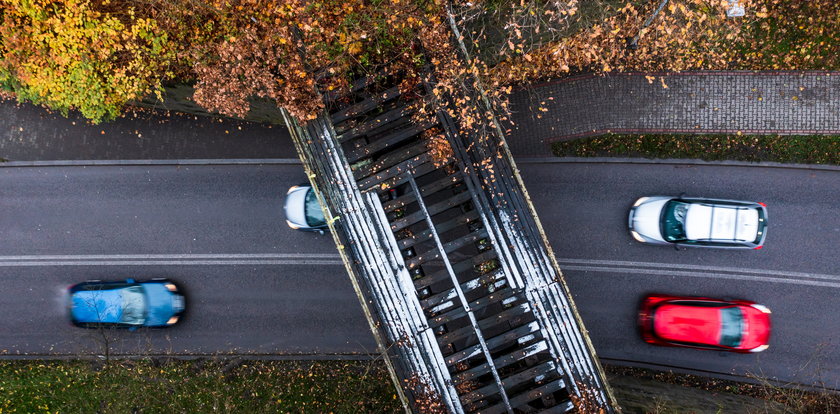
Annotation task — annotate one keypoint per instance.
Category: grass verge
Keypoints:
(197, 386)
(777, 397)
(811, 149)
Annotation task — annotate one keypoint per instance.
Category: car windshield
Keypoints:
(133, 306)
(731, 321)
(673, 220)
(314, 215)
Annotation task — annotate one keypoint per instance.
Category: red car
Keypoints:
(703, 323)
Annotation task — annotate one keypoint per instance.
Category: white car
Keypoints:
(698, 222)
(303, 212)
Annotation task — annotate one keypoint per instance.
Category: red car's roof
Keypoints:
(688, 323)
(702, 325)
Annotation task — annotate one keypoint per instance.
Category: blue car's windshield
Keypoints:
(314, 215)
(133, 306)
(673, 220)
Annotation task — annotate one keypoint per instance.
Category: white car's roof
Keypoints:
(721, 222)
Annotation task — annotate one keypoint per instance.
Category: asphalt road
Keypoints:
(255, 286)
(217, 230)
(584, 207)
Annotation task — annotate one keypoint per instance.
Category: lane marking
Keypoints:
(594, 265)
(680, 266)
(174, 256)
(172, 259)
(140, 163)
(670, 162)
(173, 263)
(794, 281)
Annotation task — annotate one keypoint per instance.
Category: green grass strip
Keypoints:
(203, 386)
(811, 149)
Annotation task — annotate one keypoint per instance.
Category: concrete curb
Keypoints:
(750, 73)
(523, 160)
(747, 378)
(690, 131)
(671, 161)
(97, 163)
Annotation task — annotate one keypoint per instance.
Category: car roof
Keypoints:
(686, 323)
(706, 221)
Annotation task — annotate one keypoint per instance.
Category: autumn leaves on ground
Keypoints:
(96, 56)
(197, 386)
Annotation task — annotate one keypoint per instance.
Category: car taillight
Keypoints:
(762, 204)
(758, 247)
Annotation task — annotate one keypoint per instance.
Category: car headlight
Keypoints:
(761, 308)
(637, 236)
(760, 348)
(292, 225)
(172, 320)
(171, 287)
(640, 201)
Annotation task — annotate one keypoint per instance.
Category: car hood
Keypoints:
(295, 206)
(758, 328)
(161, 306)
(96, 306)
(646, 219)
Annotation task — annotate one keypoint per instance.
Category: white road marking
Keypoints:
(681, 266)
(172, 259)
(682, 270)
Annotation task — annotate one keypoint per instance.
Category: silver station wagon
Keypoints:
(698, 222)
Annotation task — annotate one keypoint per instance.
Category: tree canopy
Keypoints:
(96, 56)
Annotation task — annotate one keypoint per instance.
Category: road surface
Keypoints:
(256, 287)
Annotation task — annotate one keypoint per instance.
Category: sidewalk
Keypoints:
(694, 102)
(31, 133)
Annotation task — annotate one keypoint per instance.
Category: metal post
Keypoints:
(633, 43)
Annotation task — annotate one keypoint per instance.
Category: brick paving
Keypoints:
(693, 102)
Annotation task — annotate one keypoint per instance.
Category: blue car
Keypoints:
(127, 304)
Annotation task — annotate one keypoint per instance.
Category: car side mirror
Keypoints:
(682, 195)
(321, 231)
(676, 247)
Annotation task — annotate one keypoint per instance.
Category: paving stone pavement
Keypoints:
(693, 102)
